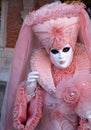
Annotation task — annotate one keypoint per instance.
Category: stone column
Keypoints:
(4, 7)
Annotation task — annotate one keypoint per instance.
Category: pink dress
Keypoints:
(46, 111)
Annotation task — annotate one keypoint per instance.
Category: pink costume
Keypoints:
(53, 25)
(76, 97)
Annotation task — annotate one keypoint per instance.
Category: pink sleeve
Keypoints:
(81, 124)
(27, 115)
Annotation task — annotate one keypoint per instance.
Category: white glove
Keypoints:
(31, 82)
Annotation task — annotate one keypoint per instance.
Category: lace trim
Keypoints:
(59, 74)
(46, 12)
(19, 114)
(33, 122)
(20, 107)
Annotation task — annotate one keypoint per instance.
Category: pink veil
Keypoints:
(27, 42)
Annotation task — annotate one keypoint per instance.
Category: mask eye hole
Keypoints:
(54, 51)
(66, 49)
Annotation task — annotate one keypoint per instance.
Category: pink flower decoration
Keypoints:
(71, 96)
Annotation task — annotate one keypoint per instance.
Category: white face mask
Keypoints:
(62, 58)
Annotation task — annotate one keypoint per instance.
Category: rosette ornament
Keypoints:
(71, 95)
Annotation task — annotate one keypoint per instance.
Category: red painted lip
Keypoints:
(62, 62)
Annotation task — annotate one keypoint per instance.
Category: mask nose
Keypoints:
(60, 55)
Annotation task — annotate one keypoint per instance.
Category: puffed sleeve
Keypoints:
(26, 115)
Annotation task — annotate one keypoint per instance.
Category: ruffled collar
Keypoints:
(40, 62)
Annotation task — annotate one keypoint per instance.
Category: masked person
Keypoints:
(56, 41)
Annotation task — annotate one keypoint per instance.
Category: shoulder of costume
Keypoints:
(40, 62)
(38, 54)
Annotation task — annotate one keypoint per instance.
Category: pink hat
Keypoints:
(57, 32)
(57, 10)
(57, 24)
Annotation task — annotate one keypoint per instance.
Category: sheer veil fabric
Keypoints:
(27, 42)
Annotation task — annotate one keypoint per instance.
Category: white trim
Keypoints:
(4, 9)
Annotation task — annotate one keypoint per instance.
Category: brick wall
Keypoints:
(13, 21)
(40, 3)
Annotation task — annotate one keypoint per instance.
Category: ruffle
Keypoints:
(83, 125)
(40, 62)
(23, 116)
(33, 122)
(83, 64)
(20, 109)
(76, 93)
(68, 91)
(46, 12)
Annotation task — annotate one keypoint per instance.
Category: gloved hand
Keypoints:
(31, 82)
